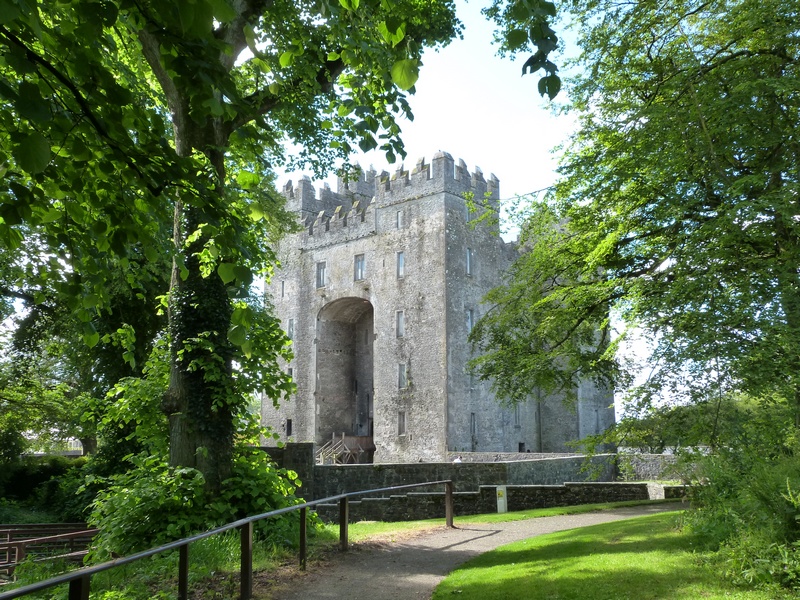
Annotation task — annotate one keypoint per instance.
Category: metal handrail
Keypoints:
(80, 580)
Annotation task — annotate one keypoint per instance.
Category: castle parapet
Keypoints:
(326, 208)
(441, 175)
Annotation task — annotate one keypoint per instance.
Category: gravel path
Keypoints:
(411, 568)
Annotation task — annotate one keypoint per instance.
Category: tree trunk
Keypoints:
(201, 394)
(201, 391)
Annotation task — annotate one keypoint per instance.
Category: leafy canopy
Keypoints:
(676, 211)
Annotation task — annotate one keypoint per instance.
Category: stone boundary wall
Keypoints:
(646, 467)
(321, 481)
(430, 505)
(331, 480)
(473, 457)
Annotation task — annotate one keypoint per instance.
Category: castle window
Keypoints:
(401, 324)
(399, 222)
(473, 425)
(283, 289)
(401, 422)
(522, 446)
(517, 422)
(359, 267)
(288, 427)
(290, 329)
(321, 273)
(401, 265)
(402, 376)
(470, 319)
(290, 372)
(470, 261)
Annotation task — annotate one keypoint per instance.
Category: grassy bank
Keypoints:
(646, 558)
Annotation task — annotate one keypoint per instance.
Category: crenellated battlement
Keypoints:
(442, 174)
(365, 189)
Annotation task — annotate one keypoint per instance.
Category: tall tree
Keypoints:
(122, 115)
(677, 208)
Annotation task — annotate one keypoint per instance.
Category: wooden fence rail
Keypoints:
(69, 546)
(80, 581)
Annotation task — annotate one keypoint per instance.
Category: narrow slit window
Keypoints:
(470, 320)
(283, 289)
(359, 268)
(288, 427)
(290, 329)
(401, 323)
(470, 261)
(402, 376)
(322, 268)
(399, 221)
(401, 422)
(401, 265)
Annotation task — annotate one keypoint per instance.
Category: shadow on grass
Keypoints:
(643, 559)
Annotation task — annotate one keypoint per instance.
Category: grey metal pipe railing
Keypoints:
(80, 580)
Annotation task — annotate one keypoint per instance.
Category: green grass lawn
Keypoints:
(364, 530)
(646, 558)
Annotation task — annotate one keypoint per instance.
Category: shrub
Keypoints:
(20, 480)
(747, 500)
(154, 503)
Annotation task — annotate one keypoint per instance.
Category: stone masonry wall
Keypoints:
(389, 247)
(330, 480)
(430, 505)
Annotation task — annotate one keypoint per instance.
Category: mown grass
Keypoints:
(214, 562)
(364, 530)
(646, 558)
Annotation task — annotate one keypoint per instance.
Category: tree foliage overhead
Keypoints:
(139, 133)
(125, 124)
(677, 207)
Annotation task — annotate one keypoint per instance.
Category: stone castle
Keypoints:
(378, 293)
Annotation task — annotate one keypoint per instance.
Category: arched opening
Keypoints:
(345, 334)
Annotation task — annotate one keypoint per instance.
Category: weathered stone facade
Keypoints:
(378, 293)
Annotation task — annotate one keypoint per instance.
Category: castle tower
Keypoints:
(378, 293)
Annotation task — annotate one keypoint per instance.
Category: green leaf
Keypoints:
(405, 73)
(247, 179)
(250, 39)
(550, 86)
(91, 301)
(8, 11)
(367, 143)
(52, 215)
(90, 335)
(237, 335)
(226, 272)
(32, 153)
(243, 274)
(256, 212)
(223, 11)
(31, 105)
(516, 39)
(286, 59)
(151, 254)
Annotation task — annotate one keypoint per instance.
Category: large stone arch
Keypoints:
(344, 357)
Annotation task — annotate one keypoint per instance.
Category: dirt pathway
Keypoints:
(411, 568)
